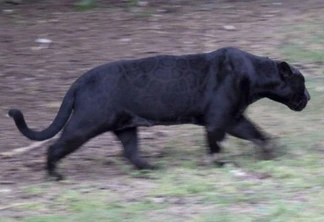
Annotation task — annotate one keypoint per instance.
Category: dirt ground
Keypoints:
(34, 77)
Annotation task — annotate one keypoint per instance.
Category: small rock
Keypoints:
(162, 10)
(238, 173)
(5, 190)
(142, 3)
(53, 20)
(43, 41)
(158, 200)
(36, 48)
(268, 15)
(53, 105)
(229, 27)
(229, 165)
(125, 39)
(7, 11)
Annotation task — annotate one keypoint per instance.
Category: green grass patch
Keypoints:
(304, 42)
(298, 52)
(83, 5)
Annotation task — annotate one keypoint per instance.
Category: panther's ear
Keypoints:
(284, 69)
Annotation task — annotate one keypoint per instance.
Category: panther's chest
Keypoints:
(239, 112)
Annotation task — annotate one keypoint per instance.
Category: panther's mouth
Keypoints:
(298, 105)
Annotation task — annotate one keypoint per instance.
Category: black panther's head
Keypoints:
(290, 87)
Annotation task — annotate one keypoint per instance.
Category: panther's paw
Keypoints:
(54, 176)
(272, 149)
(146, 166)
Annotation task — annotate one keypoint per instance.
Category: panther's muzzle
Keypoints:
(298, 103)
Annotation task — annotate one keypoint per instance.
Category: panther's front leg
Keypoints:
(214, 136)
(245, 129)
(216, 120)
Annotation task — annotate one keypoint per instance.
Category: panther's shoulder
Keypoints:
(232, 52)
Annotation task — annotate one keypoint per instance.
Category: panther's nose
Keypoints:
(307, 95)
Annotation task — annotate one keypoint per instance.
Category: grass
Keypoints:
(83, 5)
(304, 42)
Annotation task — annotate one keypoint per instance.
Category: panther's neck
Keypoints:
(264, 79)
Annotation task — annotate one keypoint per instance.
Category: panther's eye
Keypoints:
(300, 76)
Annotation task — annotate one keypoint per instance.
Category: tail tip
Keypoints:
(14, 113)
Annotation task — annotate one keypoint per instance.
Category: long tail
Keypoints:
(57, 124)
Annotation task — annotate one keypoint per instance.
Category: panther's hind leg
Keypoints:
(128, 138)
(77, 132)
(59, 150)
